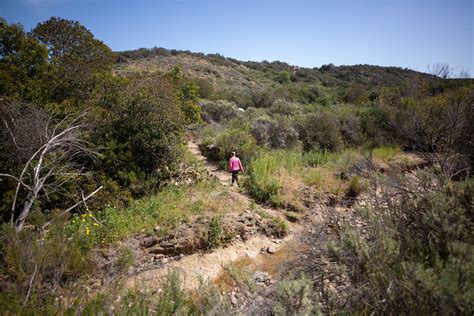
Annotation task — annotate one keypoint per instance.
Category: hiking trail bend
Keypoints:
(199, 267)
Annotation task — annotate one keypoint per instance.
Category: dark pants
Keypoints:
(235, 174)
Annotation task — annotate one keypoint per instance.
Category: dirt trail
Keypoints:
(199, 267)
(225, 179)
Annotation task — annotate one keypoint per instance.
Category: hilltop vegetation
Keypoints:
(92, 158)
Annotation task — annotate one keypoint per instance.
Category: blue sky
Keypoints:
(405, 33)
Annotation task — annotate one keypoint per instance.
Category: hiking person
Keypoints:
(234, 167)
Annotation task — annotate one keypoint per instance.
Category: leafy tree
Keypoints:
(139, 123)
(23, 64)
(188, 94)
(75, 54)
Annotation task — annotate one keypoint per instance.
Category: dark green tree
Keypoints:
(188, 94)
(75, 55)
(23, 64)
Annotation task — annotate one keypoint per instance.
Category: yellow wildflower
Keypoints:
(87, 231)
(95, 224)
(83, 220)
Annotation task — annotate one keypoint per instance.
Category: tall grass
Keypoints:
(316, 157)
(386, 153)
(165, 210)
(266, 173)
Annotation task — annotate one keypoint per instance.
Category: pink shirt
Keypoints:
(235, 164)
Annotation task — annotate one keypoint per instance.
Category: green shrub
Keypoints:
(262, 182)
(236, 139)
(174, 300)
(274, 133)
(320, 131)
(219, 110)
(215, 232)
(206, 89)
(283, 77)
(285, 108)
(357, 185)
(294, 297)
(138, 124)
(277, 227)
(49, 261)
(419, 256)
(84, 231)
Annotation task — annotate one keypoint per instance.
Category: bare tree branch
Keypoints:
(30, 286)
(75, 205)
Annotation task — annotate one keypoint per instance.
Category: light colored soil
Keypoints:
(224, 177)
(205, 267)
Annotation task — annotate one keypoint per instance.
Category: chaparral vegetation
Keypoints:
(368, 168)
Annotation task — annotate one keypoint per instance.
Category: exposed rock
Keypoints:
(233, 298)
(261, 277)
(149, 242)
(168, 244)
(329, 288)
(271, 249)
(156, 250)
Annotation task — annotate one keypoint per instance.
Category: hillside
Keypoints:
(353, 194)
(237, 80)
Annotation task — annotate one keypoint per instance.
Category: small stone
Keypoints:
(260, 276)
(168, 244)
(159, 256)
(157, 228)
(271, 249)
(156, 250)
(164, 260)
(149, 242)
(233, 298)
